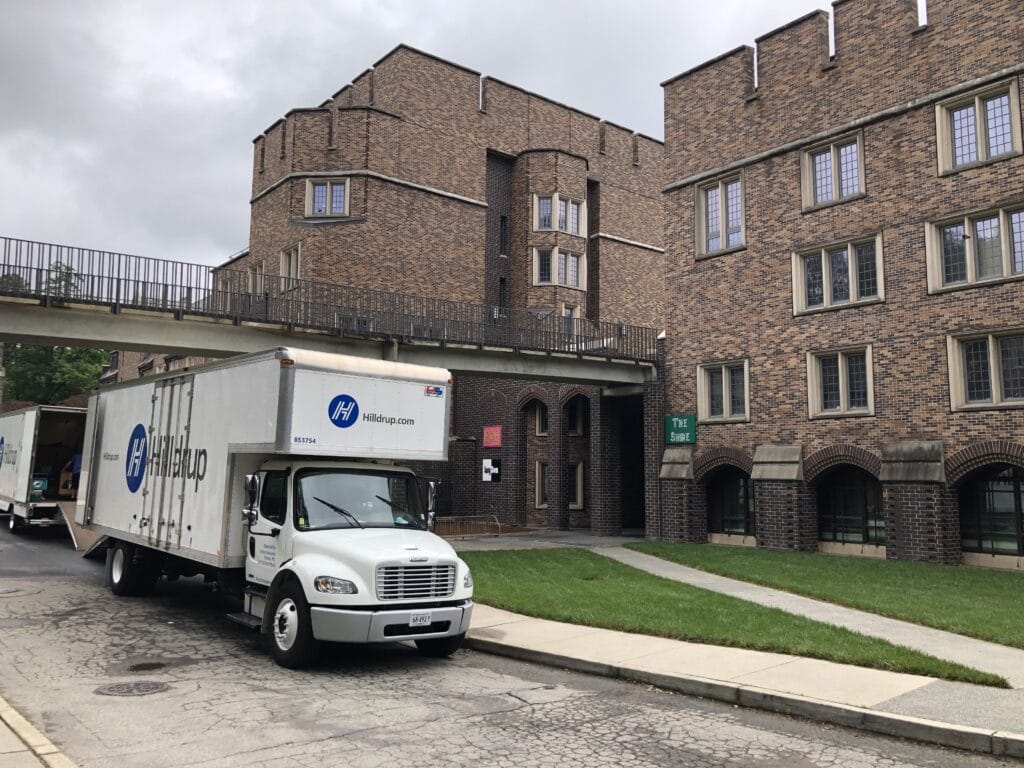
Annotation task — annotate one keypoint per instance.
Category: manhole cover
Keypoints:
(146, 666)
(139, 688)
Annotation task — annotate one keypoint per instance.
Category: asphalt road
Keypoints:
(216, 699)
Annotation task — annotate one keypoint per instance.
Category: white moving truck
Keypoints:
(275, 473)
(40, 458)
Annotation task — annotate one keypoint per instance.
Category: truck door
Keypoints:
(170, 460)
(264, 551)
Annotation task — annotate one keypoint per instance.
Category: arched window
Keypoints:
(992, 511)
(850, 507)
(730, 494)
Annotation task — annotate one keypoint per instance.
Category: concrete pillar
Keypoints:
(921, 517)
(784, 518)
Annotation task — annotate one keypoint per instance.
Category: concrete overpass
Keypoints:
(52, 294)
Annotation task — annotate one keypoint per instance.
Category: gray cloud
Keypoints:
(127, 126)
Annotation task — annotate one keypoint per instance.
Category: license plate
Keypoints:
(419, 619)
(44, 522)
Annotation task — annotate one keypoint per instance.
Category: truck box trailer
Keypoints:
(276, 473)
(40, 462)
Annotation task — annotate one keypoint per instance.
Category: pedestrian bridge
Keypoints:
(58, 294)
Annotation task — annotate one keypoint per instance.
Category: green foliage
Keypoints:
(976, 602)
(48, 375)
(581, 587)
(11, 283)
(62, 282)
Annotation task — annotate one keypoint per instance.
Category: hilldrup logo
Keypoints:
(135, 463)
(343, 411)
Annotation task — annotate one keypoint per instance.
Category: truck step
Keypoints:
(246, 620)
(256, 590)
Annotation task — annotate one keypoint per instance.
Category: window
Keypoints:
(571, 213)
(840, 383)
(838, 275)
(722, 390)
(541, 483)
(559, 267)
(540, 415)
(569, 317)
(575, 485)
(290, 268)
(986, 371)
(502, 291)
(975, 249)
(730, 494)
(992, 511)
(721, 216)
(274, 496)
(254, 278)
(850, 507)
(833, 173)
(978, 128)
(503, 236)
(574, 415)
(327, 198)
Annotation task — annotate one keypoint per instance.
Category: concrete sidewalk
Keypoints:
(22, 746)
(969, 717)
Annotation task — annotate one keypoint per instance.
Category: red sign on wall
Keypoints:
(492, 436)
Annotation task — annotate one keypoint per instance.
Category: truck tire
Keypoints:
(15, 524)
(122, 571)
(290, 634)
(440, 647)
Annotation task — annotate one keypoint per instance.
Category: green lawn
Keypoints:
(969, 601)
(581, 587)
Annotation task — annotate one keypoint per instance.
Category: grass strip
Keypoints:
(580, 587)
(975, 602)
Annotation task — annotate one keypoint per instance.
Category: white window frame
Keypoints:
(814, 409)
(556, 198)
(256, 278)
(538, 501)
(330, 183)
(556, 258)
(808, 178)
(944, 131)
(578, 474)
(538, 409)
(800, 276)
(289, 281)
(704, 392)
(723, 215)
(933, 249)
(957, 372)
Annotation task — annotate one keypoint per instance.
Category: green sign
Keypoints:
(681, 429)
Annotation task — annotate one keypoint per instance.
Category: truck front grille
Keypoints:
(415, 582)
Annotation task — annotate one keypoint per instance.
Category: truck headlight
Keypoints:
(467, 580)
(334, 586)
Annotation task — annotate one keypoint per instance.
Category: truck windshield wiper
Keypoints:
(340, 511)
(392, 504)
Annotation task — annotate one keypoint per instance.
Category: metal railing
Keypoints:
(60, 274)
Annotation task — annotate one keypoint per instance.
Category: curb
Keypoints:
(39, 745)
(998, 743)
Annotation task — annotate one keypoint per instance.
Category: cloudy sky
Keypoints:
(126, 126)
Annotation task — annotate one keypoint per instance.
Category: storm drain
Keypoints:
(137, 688)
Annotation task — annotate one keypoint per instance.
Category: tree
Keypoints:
(11, 283)
(49, 374)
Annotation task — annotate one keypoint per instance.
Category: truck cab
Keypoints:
(341, 551)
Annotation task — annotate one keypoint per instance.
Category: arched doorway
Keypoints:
(850, 507)
(992, 510)
(730, 502)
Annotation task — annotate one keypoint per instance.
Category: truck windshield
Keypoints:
(336, 498)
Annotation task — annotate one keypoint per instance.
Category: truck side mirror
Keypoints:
(431, 497)
(252, 491)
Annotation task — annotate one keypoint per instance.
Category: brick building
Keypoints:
(850, 229)
(425, 178)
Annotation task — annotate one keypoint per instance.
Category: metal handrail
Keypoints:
(60, 274)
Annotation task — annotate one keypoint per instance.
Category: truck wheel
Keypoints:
(122, 570)
(290, 633)
(15, 524)
(440, 647)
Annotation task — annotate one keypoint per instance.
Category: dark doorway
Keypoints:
(631, 459)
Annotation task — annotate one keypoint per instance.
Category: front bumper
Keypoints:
(42, 515)
(338, 625)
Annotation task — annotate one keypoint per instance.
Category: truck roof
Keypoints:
(46, 408)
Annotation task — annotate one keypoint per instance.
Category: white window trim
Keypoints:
(555, 197)
(536, 419)
(800, 276)
(807, 171)
(704, 392)
(957, 380)
(256, 277)
(701, 217)
(933, 249)
(286, 278)
(944, 132)
(330, 196)
(814, 410)
(555, 253)
(537, 502)
(579, 472)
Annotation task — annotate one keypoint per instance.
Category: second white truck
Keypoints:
(276, 473)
